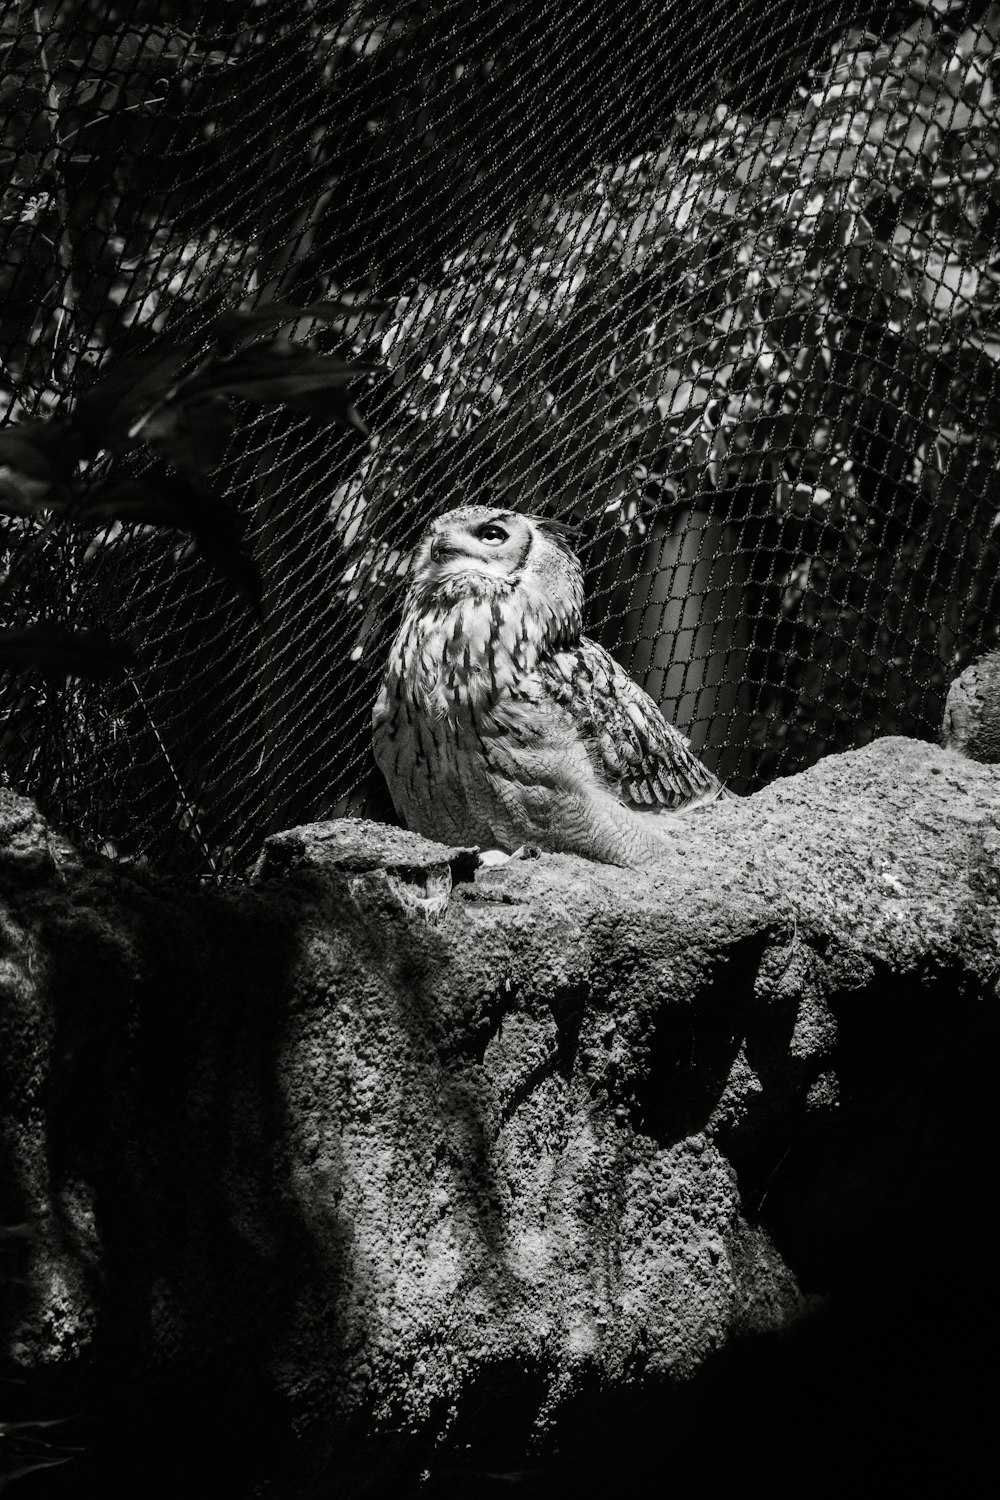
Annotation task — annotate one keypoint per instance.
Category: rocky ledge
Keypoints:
(391, 1173)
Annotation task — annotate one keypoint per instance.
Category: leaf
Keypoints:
(6, 1428)
(58, 652)
(236, 567)
(331, 407)
(36, 461)
(25, 1231)
(234, 328)
(988, 342)
(715, 462)
(173, 501)
(192, 435)
(153, 500)
(29, 1465)
(277, 373)
(47, 449)
(950, 285)
(21, 495)
(106, 415)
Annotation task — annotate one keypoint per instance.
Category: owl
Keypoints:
(500, 724)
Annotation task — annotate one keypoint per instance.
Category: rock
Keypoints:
(390, 1164)
(971, 722)
(372, 859)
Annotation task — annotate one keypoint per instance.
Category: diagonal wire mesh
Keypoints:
(717, 283)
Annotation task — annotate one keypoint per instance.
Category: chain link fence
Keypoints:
(719, 284)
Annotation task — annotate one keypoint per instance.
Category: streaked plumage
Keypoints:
(499, 724)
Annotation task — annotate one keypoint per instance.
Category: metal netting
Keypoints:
(717, 283)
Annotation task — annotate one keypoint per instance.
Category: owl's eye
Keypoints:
(491, 532)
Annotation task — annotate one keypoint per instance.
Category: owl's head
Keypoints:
(476, 550)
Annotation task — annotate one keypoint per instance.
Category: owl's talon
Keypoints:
(493, 857)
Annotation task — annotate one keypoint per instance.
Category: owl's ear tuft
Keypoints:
(568, 535)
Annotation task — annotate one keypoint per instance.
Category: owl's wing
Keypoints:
(645, 760)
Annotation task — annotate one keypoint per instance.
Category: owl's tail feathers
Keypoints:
(716, 793)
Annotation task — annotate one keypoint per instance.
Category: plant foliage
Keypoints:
(174, 408)
(791, 321)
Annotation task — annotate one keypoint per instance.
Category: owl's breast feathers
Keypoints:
(460, 651)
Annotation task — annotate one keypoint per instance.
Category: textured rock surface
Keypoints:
(391, 1164)
(971, 722)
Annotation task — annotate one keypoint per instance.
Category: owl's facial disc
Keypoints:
(483, 547)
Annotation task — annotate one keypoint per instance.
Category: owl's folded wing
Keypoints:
(644, 759)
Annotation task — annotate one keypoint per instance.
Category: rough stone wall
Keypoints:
(391, 1164)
